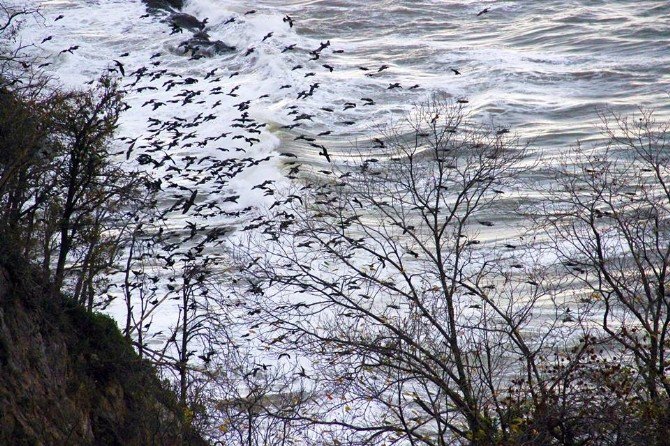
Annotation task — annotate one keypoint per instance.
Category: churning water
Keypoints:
(543, 68)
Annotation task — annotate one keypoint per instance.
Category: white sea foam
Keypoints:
(536, 66)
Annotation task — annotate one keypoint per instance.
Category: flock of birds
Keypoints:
(195, 169)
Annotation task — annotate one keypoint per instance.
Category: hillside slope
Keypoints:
(69, 377)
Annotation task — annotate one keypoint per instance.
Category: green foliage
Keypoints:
(63, 201)
(106, 353)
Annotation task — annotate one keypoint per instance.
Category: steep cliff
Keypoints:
(68, 377)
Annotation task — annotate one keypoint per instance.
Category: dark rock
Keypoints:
(205, 47)
(165, 4)
(217, 47)
(187, 21)
(202, 35)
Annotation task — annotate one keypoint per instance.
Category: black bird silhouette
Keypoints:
(59, 17)
(303, 116)
(394, 85)
(211, 73)
(324, 152)
(263, 184)
(289, 20)
(288, 48)
(252, 11)
(267, 36)
(120, 67)
(189, 202)
(482, 12)
(456, 72)
(70, 50)
(46, 39)
(322, 46)
(330, 68)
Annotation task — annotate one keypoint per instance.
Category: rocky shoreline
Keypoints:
(200, 43)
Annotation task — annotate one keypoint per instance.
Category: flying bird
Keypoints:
(120, 67)
(70, 50)
(324, 153)
(189, 202)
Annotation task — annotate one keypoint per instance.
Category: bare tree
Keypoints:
(413, 323)
(257, 403)
(193, 339)
(17, 66)
(609, 221)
